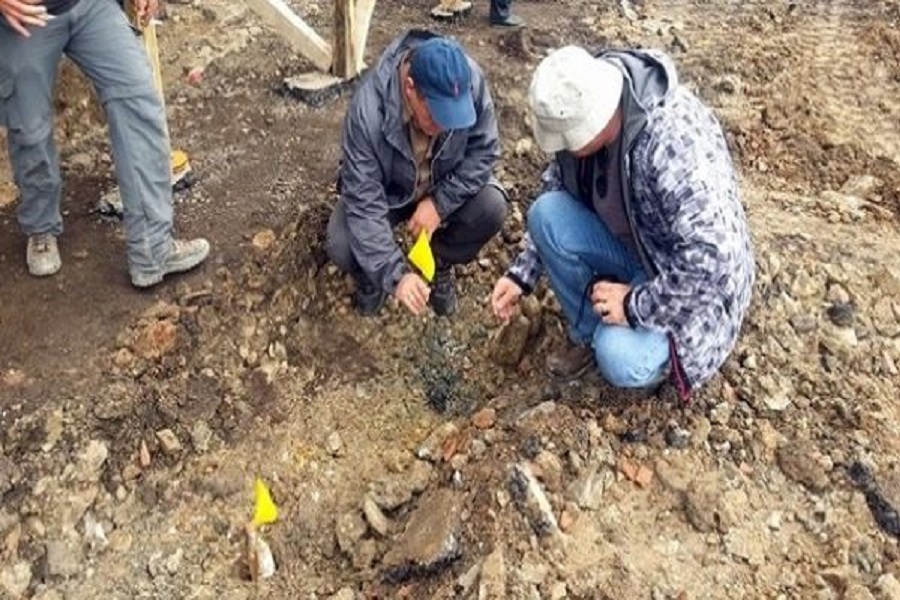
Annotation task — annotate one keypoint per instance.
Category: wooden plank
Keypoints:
(344, 52)
(279, 16)
(364, 11)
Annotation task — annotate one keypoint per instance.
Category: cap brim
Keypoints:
(452, 113)
(549, 141)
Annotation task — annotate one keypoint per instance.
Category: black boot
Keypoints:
(368, 297)
(443, 293)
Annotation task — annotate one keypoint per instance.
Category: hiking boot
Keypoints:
(570, 362)
(42, 255)
(184, 256)
(443, 293)
(368, 298)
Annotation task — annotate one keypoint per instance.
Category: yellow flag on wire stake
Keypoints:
(266, 512)
(421, 257)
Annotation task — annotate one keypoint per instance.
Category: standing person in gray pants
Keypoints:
(34, 35)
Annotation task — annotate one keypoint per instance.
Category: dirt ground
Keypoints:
(431, 458)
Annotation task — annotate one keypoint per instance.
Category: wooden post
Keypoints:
(364, 10)
(344, 50)
(301, 36)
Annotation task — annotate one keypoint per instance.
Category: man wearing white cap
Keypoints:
(639, 224)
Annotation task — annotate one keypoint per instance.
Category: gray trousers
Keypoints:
(456, 242)
(96, 36)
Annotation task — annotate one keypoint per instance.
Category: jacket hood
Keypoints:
(650, 78)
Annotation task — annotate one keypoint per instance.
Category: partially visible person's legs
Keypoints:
(631, 358)
(462, 237)
(368, 297)
(28, 68)
(501, 15)
(577, 249)
(106, 49)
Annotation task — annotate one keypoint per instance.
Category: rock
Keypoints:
(531, 500)
(431, 540)
(15, 579)
(509, 345)
(13, 378)
(9, 475)
(94, 532)
(533, 570)
(550, 469)
(858, 592)
(677, 437)
(201, 434)
(709, 509)
(484, 418)
(345, 593)
(376, 519)
(169, 441)
(887, 281)
(748, 543)
(393, 491)
(173, 562)
(800, 461)
(259, 556)
(888, 587)
(838, 294)
(635, 472)
(804, 323)
(156, 340)
(264, 239)
(334, 444)
(143, 455)
(841, 314)
(350, 527)
(524, 147)
(861, 186)
(838, 341)
(432, 448)
(466, 581)
(63, 558)
(364, 554)
(493, 577)
(91, 461)
(587, 490)
(884, 317)
(558, 591)
(53, 429)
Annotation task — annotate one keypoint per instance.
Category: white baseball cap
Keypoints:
(573, 95)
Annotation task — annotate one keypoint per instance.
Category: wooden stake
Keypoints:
(344, 52)
(278, 15)
(364, 11)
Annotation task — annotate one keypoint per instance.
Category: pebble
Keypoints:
(888, 587)
(376, 519)
(334, 444)
(841, 314)
(169, 441)
(349, 529)
(201, 434)
(484, 418)
(63, 558)
(15, 579)
(345, 593)
(393, 491)
(532, 501)
(493, 577)
(91, 461)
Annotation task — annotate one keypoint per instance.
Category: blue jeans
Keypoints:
(96, 36)
(575, 246)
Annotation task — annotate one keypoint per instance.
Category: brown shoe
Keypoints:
(570, 362)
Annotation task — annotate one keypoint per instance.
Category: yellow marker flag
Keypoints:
(266, 512)
(421, 257)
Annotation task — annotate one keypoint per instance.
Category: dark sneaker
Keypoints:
(570, 362)
(184, 256)
(511, 22)
(368, 298)
(443, 293)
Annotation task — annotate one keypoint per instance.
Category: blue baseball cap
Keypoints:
(441, 73)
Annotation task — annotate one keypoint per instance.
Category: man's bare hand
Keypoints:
(505, 298)
(22, 14)
(609, 302)
(425, 218)
(145, 10)
(413, 293)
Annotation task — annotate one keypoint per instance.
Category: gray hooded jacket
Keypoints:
(378, 171)
(682, 200)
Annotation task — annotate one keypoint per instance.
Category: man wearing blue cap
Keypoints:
(419, 145)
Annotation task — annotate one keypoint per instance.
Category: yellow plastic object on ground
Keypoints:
(266, 512)
(421, 257)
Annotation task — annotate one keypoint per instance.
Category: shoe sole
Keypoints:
(186, 264)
